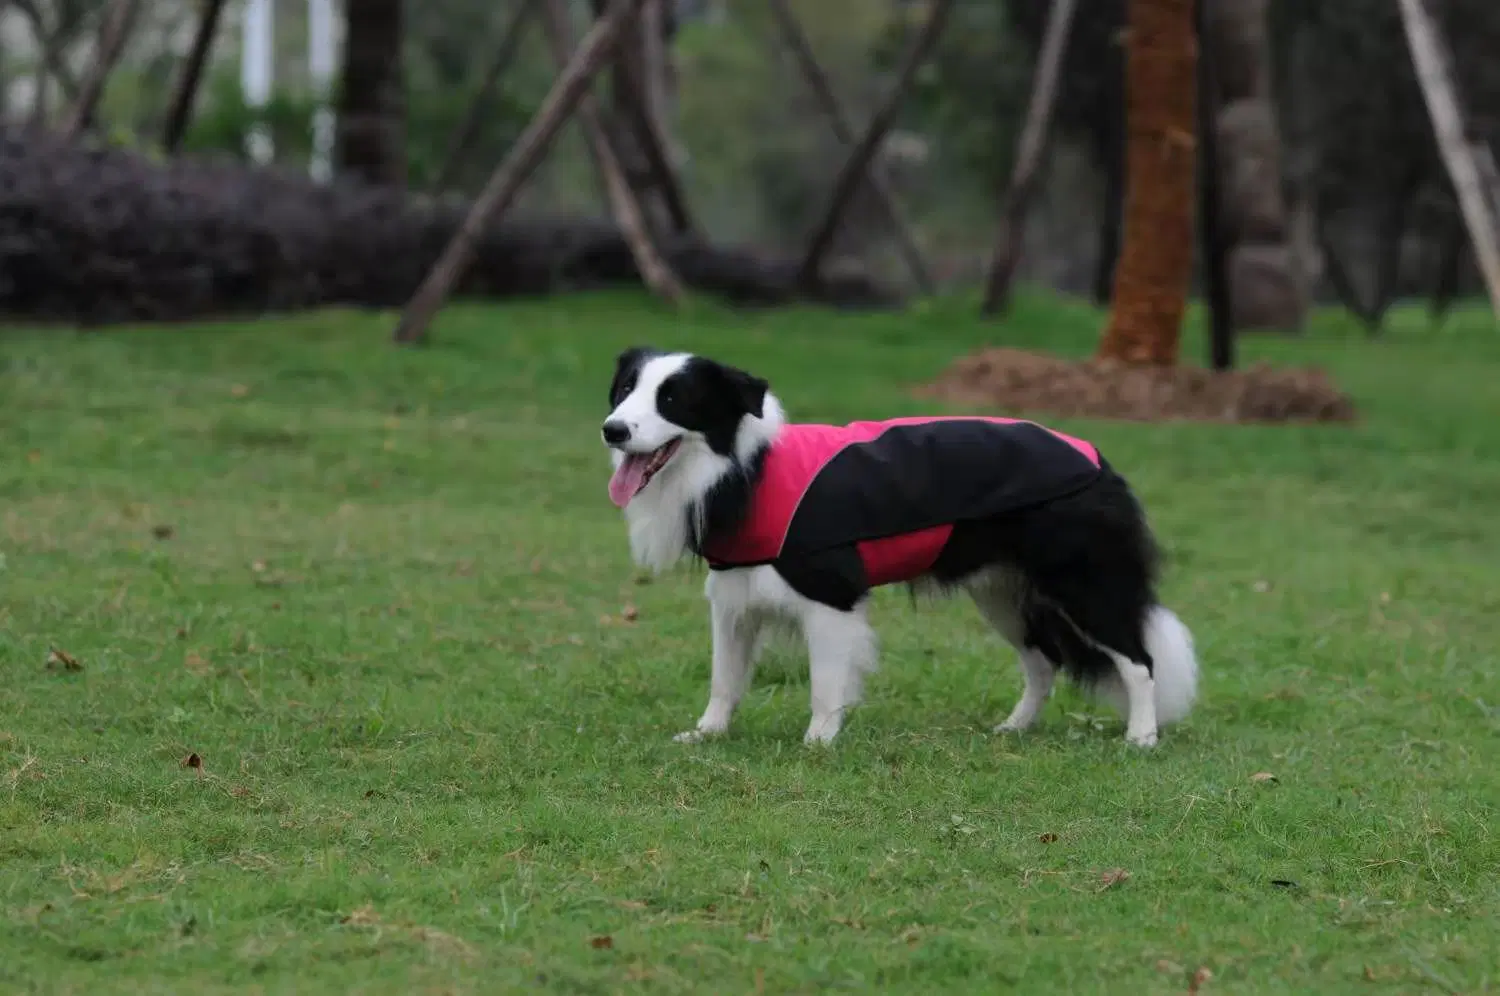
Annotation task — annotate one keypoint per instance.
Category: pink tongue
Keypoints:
(627, 480)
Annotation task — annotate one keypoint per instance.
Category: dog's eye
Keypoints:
(666, 396)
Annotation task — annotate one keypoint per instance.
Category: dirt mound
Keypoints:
(1020, 381)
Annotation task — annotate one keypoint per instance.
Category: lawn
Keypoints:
(326, 670)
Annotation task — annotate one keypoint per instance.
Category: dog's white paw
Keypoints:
(702, 732)
(822, 731)
(1144, 739)
(1009, 727)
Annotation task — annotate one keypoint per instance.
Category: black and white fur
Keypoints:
(1070, 584)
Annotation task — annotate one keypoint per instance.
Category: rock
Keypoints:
(1265, 293)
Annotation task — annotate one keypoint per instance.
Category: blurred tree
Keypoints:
(113, 33)
(371, 139)
(185, 93)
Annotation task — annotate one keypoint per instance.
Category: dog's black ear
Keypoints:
(749, 389)
(627, 365)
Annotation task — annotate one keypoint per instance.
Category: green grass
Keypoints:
(387, 618)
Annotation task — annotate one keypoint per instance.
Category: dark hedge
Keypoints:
(95, 236)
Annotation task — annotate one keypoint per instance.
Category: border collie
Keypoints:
(799, 522)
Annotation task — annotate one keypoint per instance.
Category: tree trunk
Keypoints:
(857, 166)
(468, 128)
(1108, 132)
(1339, 277)
(1029, 150)
(796, 42)
(1445, 280)
(180, 111)
(1390, 234)
(626, 208)
(571, 86)
(50, 43)
(1156, 257)
(1431, 57)
(112, 37)
(639, 122)
(370, 143)
(1213, 246)
(635, 119)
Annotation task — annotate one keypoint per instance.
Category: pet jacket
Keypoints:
(892, 491)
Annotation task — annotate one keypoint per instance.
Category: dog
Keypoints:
(798, 523)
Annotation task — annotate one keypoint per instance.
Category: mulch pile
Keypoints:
(1020, 381)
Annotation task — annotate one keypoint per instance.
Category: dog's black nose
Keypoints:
(616, 432)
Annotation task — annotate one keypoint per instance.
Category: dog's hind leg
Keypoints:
(735, 636)
(1116, 626)
(998, 598)
(841, 649)
(1140, 694)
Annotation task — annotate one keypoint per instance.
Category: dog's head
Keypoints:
(667, 408)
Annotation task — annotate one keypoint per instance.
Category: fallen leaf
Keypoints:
(239, 791)
(1168, 967)
(1199, 977)
(1263, 776)
(362, 917)
(193, 761)
(630, 613)
(602, 942)
(1261, 587)
(1048, 838)
(1112, 877)
(182, 632)
(239, 390)
(33, 456)
(195, 663)
(61, 660)
(259, 566)
(163, 531)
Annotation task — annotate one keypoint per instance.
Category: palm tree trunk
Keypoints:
(1156, 257)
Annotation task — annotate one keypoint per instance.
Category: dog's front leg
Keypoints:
(734, 633)
(841, 650)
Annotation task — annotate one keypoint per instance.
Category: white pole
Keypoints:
(322, 55)
(1434, 64)
(257, 68)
